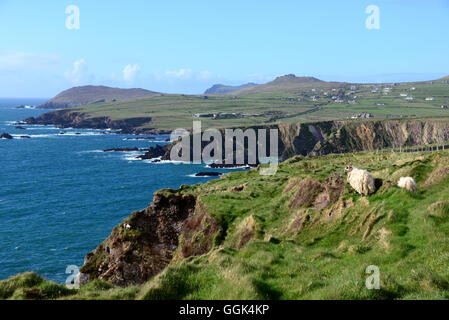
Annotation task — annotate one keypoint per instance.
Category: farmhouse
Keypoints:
(362, 116)
(203, 115)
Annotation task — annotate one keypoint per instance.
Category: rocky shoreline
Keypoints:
(317, 138)
(69, 119)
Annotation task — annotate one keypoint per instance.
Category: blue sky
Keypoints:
(186, 46)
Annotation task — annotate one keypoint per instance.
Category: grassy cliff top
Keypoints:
(283, 101)
(304, 233)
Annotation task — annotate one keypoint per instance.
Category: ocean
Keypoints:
(60, 195)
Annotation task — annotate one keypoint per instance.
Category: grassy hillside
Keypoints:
(285, 100)
(78, 96)
(221, 88)
(302, 234)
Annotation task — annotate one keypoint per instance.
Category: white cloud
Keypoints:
(130, 72)
(180, 74)
(78, 73)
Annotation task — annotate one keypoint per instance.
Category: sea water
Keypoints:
(60, 195)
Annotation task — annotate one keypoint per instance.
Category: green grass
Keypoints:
(327, 260)
(408, 239)
(175, 111)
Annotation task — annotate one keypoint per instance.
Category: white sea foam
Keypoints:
(40, 128)
(165, 161)
(228, 168)
(195, 176)
(132, 155)
(46, 135)
(81, 134)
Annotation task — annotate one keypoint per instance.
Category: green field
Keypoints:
(297, 248)
(292, 101)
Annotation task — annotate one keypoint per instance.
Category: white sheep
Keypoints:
(361, 180)
(408, 183)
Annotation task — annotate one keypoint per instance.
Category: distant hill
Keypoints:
(291, 78)
(289, 83)
(221, 88)
(84, 95)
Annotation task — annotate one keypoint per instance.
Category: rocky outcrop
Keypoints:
(175, 226)
(67, 119)
(143, 244)
(327, 137)
(208, 174)
(321, 138)
(346, 136)
(6, 136)
(198, 233)
(121, 149)
(154, 152)
(311, 193)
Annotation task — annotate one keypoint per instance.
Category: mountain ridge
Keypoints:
(84, 95)
(222, 88)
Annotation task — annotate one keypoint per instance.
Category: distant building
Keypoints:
(444, 107)
(362, 116)
(404, 94)
(409, 98)
(430, 98)
(203, 115)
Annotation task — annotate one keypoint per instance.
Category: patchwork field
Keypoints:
(284, 102)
